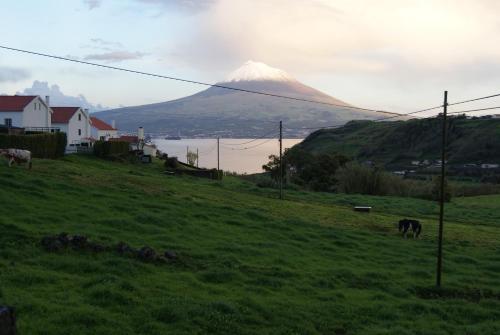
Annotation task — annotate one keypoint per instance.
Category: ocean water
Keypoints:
(233, 155)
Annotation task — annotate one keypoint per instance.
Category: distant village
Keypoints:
(432, 165)
(29, 114)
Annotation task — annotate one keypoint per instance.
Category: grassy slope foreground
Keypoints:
(250, 263)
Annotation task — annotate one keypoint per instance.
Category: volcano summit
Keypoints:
(223, 112)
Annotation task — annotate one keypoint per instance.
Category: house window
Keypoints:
(79, 132)
(79, 117)
(8, 122)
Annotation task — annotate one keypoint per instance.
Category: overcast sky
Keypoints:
(397, 55)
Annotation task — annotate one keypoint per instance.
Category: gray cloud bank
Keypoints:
(11, 74)
(91, 4)
(58, 98)
(115, 56)
(184, 5)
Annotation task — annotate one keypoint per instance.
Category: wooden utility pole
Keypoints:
(187, 154)
(281, 160)
(442, 195)
(218, 156)
(197, 157)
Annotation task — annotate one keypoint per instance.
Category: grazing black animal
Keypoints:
(416, 227)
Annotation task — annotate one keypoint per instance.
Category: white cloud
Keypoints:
(58, 98)
(91, 4)
(115, 56)
(190, 5)
(101, 43)
(11, 74)
(184, 5)
(342, 35)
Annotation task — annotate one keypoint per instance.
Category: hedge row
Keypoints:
(44, 145)
(111, 149)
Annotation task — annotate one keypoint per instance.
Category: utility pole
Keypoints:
(197, 157)
(441, 198)
(187, 154)
(281, 160)
(218, 156)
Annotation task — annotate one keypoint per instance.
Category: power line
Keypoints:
(253, 140)
(209, 150)
(411, 113)
(376, 120)
(476, 99)
(316, 128)
(256, 145)
(190, 81)
(475, 110)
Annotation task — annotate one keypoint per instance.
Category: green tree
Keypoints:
(436, 189)
(192, 158)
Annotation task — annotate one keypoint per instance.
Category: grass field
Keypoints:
(251, 264)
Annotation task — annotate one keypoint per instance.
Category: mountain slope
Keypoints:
(397, 143)
(219, 111)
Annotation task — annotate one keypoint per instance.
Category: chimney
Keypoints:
(140, 134)
(113, 124)
(47, 100)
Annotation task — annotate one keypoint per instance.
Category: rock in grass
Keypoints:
(147, 254)
(96, 247)
(171, 255)
(52, 243)
(7, 321)
(79, 241)
(123, 248)
(64, 239)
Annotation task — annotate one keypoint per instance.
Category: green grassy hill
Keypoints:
(396, 143)
(249, 263)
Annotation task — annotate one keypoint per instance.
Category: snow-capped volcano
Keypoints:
(236, 112)
(257, 71)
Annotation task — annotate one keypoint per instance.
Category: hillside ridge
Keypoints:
(398, 143)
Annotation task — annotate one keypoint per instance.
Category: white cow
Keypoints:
(17, 156)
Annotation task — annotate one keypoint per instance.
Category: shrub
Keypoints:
(42, 145)
(436, 189)
(111, 149)
(315, 171)
(171, 163)
(356, 178)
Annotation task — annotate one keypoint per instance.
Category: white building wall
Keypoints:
(37, 114)
(74, 124)
(79, 121)
(63, 127)
(107, 134)
(17, 118)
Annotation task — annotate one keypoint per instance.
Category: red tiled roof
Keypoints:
(15, 103)
(63, 114)
(99, 124)
(126, 138)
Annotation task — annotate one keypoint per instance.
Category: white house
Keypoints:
(101, 130)
(489, 166)
(75, 122)
(25, 111)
